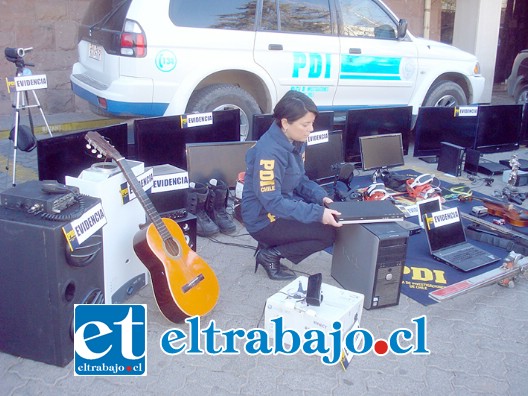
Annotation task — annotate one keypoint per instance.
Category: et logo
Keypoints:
(110, 340)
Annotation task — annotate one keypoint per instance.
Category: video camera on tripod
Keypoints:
(24, 81)
(16, 56)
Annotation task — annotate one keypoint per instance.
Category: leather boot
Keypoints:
(217, 204)
(269, 258)
(196, 202)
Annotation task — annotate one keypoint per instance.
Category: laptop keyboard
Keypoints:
(464, 254)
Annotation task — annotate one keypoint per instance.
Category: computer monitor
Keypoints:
(499, 128)
(321, 159)
(434, 125)
(221, 161)
(381, 151)
(162, 140)
(67, 155)
(261, 123)
(375, 121)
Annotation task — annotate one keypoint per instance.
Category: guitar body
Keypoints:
(184, 284)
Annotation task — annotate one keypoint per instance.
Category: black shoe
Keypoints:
(269, 258)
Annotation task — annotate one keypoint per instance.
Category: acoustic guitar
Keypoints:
(184, 284)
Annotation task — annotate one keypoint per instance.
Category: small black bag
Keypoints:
(25, 140)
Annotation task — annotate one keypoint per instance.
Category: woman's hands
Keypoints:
(329, 214)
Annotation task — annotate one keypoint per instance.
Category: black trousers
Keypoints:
(295, 240)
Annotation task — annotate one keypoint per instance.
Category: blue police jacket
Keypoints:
(276, 185)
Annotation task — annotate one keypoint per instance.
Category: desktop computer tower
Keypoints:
(369, 259)
(450, 159)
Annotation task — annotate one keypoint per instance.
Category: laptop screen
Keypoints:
(445, 235)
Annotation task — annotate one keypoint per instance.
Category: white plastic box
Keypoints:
(337, 305)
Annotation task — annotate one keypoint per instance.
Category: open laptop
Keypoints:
(448, 244)
(353, 212)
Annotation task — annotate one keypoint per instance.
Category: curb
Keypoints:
(72, 126)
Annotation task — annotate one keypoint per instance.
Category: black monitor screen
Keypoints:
(162, 140)
(381, 151)
(375, 121)
(499, 128)
(67, 155)
(262, 122)
(221, 161)
(457, 125)
(320, 158)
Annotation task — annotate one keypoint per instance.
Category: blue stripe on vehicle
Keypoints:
(122, 108)
(358, 67)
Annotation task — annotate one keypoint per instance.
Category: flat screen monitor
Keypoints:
(456, 125)
(321, 158)
(499, 128)
(381, 151)
(221, 161)
(375, 121)
(162, 140)
(67, 155)
(262, 122)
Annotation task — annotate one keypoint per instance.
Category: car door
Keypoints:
(376, 67)
(297, 45)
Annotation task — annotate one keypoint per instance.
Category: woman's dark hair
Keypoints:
(292, 106)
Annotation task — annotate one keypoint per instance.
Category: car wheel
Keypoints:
(226, 97)
(445, 94)
(521, 94)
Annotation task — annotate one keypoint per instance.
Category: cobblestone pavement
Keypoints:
(477, 341)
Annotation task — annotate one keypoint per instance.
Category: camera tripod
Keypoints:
(24, 82)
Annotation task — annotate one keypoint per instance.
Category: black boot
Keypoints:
(196, 201)
(217, 204)
(269, 258)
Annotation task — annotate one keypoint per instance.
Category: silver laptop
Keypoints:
(448, 244)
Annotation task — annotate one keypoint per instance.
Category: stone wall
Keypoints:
(50, 27)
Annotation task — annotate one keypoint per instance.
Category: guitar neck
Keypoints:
(145, 201)
(495, 227)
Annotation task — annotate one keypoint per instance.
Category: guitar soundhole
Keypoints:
(172, 247)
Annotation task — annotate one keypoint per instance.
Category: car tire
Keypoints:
(224, 97)
(521, 94)
(445, 94)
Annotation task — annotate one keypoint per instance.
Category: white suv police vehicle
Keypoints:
(170, 57)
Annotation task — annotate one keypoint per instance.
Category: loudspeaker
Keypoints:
(124, 273)
(369, 259)
(450, 159)
(188, 226)
(40, 281)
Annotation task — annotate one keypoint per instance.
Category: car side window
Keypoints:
(365, 18)
(294, 16)
(214, 14)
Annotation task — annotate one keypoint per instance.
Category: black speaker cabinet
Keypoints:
(369, 259)
(40, 281)
(188, 226)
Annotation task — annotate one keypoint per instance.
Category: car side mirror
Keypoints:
(402, 28)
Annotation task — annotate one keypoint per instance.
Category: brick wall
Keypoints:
(50, 27)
